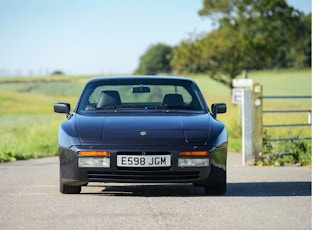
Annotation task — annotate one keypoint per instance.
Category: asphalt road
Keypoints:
(256, 198)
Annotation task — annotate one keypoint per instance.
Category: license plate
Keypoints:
(143, 161)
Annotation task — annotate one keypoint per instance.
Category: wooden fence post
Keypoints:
(257, 127)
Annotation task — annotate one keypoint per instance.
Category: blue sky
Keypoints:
(94, 37)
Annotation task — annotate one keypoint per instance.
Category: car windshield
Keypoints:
(142, 93)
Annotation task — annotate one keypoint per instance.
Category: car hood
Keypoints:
(170, 129)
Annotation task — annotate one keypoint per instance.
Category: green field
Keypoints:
(29, 127)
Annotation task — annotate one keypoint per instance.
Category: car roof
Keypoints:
(104, 78)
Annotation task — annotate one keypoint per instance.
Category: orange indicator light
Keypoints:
(94, 153)
(193, 153)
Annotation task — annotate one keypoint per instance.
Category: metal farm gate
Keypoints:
(252, 101)
(308, 111)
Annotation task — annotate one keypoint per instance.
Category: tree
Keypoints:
(251, 35)
(58, 72)
(268, 28)
(186, 58)
(299, 51)
(223, 55)
(218, 54)
(155, 60)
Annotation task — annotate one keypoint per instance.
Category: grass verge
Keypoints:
(28, 136)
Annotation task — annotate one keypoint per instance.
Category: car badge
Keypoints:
(143, 153)
(143, 133)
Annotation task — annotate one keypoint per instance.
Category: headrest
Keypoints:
(173, 100)
(109, 98)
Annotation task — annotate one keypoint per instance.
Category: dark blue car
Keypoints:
(142, 129)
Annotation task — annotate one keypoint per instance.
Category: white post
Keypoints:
(247, 142)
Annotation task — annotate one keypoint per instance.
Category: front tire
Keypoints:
(66, 189)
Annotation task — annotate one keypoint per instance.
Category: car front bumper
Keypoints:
(73, 175)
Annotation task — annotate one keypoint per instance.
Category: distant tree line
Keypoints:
(155, 60)
(250, 35)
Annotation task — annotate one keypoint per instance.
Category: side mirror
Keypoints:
(218, 108)
(62, 107)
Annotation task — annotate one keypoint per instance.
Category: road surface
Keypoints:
(256, 198)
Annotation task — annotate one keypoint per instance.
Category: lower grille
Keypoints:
(142, 176)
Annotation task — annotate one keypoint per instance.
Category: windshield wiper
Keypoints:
(154, 107)
(110, 107)
(170, 107)
(106, 107)
(177, 107)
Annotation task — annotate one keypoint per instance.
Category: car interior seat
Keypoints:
(109, 98)
(173, 99)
